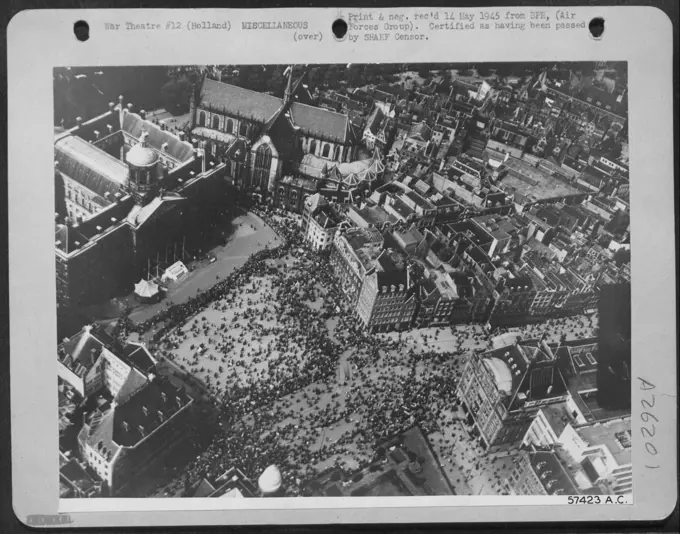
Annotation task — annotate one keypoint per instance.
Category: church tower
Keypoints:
(143, 171)
(288, 94)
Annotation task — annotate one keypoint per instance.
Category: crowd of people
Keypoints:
(291, 390)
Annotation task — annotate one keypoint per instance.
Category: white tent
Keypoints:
(175, 271)
(146, 289)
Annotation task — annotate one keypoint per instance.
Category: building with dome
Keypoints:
(281, 149)
(131, 198)
(502, 391)
(528, 393)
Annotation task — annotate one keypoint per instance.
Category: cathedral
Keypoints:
(282, 149)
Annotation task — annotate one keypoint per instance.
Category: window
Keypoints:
(263, 163)
(215, 122)
(326, 151)
(312, 147)
(202, 119)
(590, 358)
(579, 361)
(243, 130)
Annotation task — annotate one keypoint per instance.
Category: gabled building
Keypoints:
(91, 361)
(320, 223)
(352, 257)
(119, 440)
(387, 300)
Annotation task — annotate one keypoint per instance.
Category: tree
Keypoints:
(123, 325)
(175, 95)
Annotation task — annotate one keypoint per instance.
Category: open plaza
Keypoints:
(299, 384)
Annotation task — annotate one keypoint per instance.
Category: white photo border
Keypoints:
(40, 40)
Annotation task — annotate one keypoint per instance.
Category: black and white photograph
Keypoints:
(343, 280)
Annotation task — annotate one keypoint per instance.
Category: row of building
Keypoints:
(547, 260)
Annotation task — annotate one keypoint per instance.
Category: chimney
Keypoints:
(181, 135)
(93, 356)
(141, 430)
(96, 134)
(164, 396)
(129, 107)
(56, 164)
(142, 113)
(112, 105)
(179, 401)
(109, 128)
(164, 147)
(145, 410)
(161, 416)
(79, 120)
(126, 427)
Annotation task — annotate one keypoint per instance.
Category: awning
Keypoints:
(146, 288)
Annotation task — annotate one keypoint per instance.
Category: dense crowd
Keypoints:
(290, 390)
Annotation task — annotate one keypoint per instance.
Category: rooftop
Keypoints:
(533, 184)
(552, 473)
(125, 425)
(614, 435)
(157, 138)
(90, 166)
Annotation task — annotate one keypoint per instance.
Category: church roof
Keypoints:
(134, 125)
(89, 166)
(263, 108)
(238, 102)
(322, 123)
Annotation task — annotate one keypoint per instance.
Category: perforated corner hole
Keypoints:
(596, 27)
(339, 29)
(81, 30)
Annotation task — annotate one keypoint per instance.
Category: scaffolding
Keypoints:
(172, 252)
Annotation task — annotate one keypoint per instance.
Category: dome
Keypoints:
(270, 480)
(141, 156)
